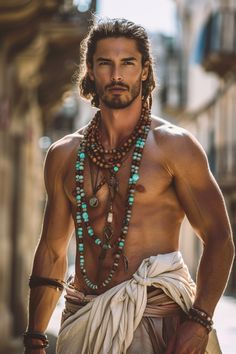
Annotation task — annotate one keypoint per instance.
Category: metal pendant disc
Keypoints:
(93, 202)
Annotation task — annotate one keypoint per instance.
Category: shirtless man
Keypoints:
(172, 179)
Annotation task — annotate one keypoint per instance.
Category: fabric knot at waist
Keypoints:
(143, 281)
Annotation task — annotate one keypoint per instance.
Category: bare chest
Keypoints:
(154, 181)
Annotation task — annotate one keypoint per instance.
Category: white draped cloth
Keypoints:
(106, 324)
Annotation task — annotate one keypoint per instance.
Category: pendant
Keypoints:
(108, 232)
(93, 201)
(126, 262)
(110, 217)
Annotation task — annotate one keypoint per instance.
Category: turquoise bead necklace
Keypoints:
(91, 148)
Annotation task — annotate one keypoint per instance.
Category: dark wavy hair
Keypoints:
(113, 28)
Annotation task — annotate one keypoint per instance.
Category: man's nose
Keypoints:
(116, 74)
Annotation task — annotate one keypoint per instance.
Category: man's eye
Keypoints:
(127, 62)
(104, 63)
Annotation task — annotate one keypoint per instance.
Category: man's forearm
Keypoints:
(213, 274)
(43, 299)
(42, 303)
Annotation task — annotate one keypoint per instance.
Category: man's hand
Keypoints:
(190, 338)
(35, 351)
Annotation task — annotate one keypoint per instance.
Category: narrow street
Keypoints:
(224, 319)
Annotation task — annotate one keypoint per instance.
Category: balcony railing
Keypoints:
(216, 47)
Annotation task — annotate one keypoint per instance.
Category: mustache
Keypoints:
(117, 84)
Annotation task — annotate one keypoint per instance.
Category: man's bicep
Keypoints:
(51, 253)
(200, 195)
(57, 221)
(57, 224)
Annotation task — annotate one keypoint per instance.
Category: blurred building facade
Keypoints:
(39, 50)
(205, 103)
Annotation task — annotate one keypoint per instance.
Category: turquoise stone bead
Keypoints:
(82, 155)
(81, 246)
(98, 241)
(116, 168)
(90, 232)
(121, 244)
(85, 216)
(135, 177)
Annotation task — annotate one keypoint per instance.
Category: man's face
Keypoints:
(117, 72)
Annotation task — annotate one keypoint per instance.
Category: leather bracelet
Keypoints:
(35, 335)
(202, 314)
(200, 317)
(35, 281)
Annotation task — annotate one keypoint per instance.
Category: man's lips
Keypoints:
(117, 89)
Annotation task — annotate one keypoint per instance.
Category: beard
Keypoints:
(119, 101)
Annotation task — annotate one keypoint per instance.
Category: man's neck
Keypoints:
(117, 124)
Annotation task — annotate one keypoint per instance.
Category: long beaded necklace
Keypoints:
(92, 148)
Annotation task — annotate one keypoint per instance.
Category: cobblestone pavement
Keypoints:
(224, 319)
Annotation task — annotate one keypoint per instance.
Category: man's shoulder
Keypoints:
(167, 133)
(63, 149)
(177, 144)
(66, 144)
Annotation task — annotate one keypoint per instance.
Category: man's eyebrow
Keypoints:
(129, 59)
(103, 59)
(124, 59)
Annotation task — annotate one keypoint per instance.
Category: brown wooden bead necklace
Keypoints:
(99, 155)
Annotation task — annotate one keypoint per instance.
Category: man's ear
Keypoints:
(145, 71)
(90, 72)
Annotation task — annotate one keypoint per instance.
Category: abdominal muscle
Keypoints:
(150, 233)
